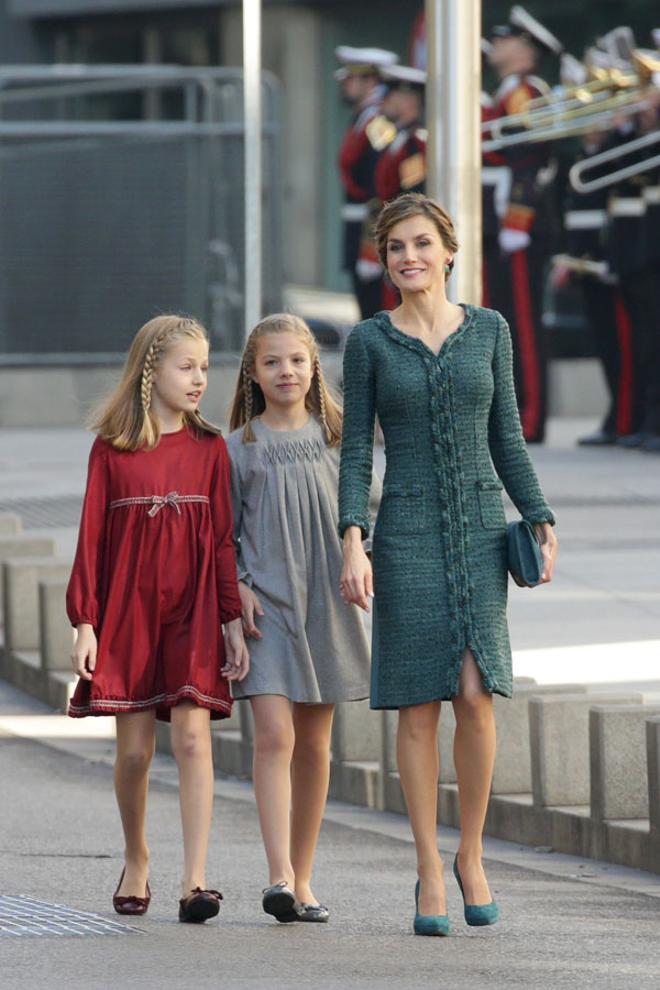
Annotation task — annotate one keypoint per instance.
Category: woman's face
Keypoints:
(416, 255)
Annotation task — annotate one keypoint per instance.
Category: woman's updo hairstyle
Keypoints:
(414, 205)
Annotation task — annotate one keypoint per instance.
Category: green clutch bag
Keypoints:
(524, 557)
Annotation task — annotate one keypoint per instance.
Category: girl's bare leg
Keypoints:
(310, 777)
(419, 767)
(191, 745)
(273, 749)
(135, 750)
(474, 757)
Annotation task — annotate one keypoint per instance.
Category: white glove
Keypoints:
(511, 240)
(368, 271)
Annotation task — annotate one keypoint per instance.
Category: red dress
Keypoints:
(155, 575)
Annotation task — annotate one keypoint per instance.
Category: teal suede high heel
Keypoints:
(429, 924)
(476, 914)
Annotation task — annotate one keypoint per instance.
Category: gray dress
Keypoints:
(284, 497)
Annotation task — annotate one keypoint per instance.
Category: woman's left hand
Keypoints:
(237, 658)
(549, 545)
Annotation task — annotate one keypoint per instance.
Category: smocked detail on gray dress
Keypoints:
(284, 495)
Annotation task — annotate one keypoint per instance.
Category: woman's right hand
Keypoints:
(250, 605)
(83, 657)
(356, 584)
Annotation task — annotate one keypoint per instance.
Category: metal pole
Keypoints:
(252, 160)
(453, 31)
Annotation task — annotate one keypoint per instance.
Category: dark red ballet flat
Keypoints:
(131, 904)
(199, 905)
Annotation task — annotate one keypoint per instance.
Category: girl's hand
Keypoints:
(83, 657)
(356, 582)
(549, 545)
(250, 605)
(237, 658)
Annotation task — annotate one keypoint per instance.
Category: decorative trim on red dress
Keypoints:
(116, 706)
(158, 502)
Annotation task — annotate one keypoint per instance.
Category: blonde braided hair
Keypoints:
(150, 361)
(321, 390)
(249, 400)
(125, 418)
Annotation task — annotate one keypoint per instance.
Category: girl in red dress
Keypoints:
(153, 585)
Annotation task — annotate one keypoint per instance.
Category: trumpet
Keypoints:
(603, 84)
(580, 169)
(575, 110)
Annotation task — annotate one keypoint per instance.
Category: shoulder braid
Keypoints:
(146, 380)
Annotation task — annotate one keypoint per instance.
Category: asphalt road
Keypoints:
(61, 843)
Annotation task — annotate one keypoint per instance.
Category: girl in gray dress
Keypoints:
(308, 651)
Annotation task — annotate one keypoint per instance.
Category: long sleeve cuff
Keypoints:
(360, 521)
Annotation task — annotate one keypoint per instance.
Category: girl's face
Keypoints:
(283, 369)
(416, 255)
(180, 377)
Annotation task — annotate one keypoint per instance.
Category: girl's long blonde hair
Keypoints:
(125, 418)
(249, 399)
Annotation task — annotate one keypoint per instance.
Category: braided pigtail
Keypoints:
(147, 377)
(248, 403)
(320, 399)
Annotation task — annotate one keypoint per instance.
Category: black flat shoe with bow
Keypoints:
(199, 905)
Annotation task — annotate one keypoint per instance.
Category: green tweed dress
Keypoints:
(452, 436)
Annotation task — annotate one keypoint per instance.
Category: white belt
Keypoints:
(500, 177)
(584, 219)
(627, 207)
(652, 195)
(352, 212)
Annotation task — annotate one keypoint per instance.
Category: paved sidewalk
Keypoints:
(565, 923)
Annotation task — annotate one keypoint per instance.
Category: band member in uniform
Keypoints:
(402, 165)
(585, 226)
(633, 256)
(368, 134)
(514, 259)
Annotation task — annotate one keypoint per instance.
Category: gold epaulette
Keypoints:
(380, 131)
(412, 171)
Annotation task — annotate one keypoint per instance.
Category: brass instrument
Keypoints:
(580, 169)
(576, 110)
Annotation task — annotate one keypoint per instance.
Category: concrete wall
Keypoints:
(18, 39)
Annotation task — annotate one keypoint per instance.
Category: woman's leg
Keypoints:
(474, 756)
(310, 777)
(417, 753)
(273, 749)
(191, 745)
(135, 750)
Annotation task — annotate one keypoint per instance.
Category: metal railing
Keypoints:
(107, 222)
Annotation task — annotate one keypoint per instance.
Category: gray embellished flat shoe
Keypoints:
(280, 901)
(313, 912)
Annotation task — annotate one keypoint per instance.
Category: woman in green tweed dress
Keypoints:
(439, 377)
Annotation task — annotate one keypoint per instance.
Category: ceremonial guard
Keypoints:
(518, 215)
(585, 226)
(633, 256)
(368, 134)
(401, 166)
